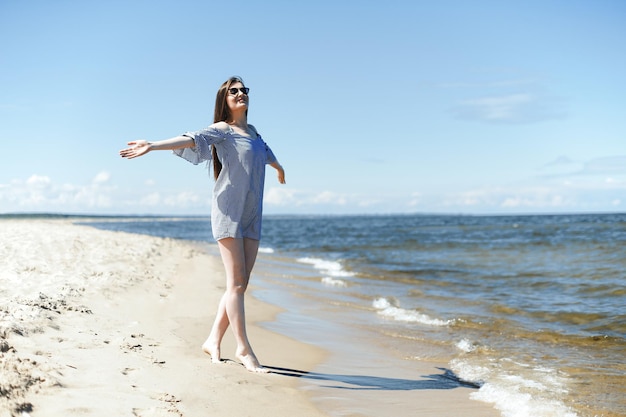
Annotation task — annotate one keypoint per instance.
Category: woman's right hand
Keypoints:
(136, 148)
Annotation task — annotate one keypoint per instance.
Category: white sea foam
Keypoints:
(515, 395)
(266, 250)
(466, 346)
(513, 403)
(331, 268)
(332, 282)
(386, 309)
(381, 303)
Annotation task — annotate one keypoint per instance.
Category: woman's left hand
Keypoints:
(281, 176)
(281, 172)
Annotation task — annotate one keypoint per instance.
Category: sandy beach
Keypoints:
(98, 323)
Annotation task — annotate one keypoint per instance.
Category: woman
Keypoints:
(239, 155)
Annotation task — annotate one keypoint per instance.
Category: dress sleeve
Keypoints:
(203, 139)
(270, 158)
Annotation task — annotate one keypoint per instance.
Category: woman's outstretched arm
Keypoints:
(141, 147)
(281, 172)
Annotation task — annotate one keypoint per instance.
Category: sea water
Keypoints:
(530, 310)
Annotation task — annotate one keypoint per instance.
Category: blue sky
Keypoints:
(473, 107)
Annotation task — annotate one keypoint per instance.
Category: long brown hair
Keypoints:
(222, 114)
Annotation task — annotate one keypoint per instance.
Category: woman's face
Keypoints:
(236, 99)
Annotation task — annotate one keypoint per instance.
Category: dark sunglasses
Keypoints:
(234, 90)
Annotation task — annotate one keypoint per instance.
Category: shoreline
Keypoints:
(125, 339)
(361, 375)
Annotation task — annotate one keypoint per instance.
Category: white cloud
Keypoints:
(368, 203)
(552, 195)
(564, 193)
(284, 197)
(560, 161)
(38, 181)
(494, 109)
(522, 99)
(40, 193)
(329, 197)
(152, 199)
(101, 178)
(185, 199)
(415, 199)
(548, 196)
(605, 165)
(280, 196)
(530, 200)
(612, 170)
(510, 108)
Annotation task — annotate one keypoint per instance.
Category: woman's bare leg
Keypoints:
(239, 256)
(220, 325)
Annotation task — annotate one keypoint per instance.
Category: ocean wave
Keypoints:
(519, 404)
(333, 282)
(529, 392)
(466, 346)
(386, 309)
(331, 268)
(266, 250)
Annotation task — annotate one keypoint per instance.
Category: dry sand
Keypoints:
(97, 323)
(115, 328)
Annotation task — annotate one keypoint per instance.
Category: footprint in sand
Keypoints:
(168, 410)
(127, 371)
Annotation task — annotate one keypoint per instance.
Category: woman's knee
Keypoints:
(237, 287)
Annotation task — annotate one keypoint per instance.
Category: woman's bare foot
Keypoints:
(252, 363)
(213, 351)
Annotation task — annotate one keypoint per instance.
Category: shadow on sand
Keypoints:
(445, 380)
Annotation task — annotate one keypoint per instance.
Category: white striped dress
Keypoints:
(238, 193)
